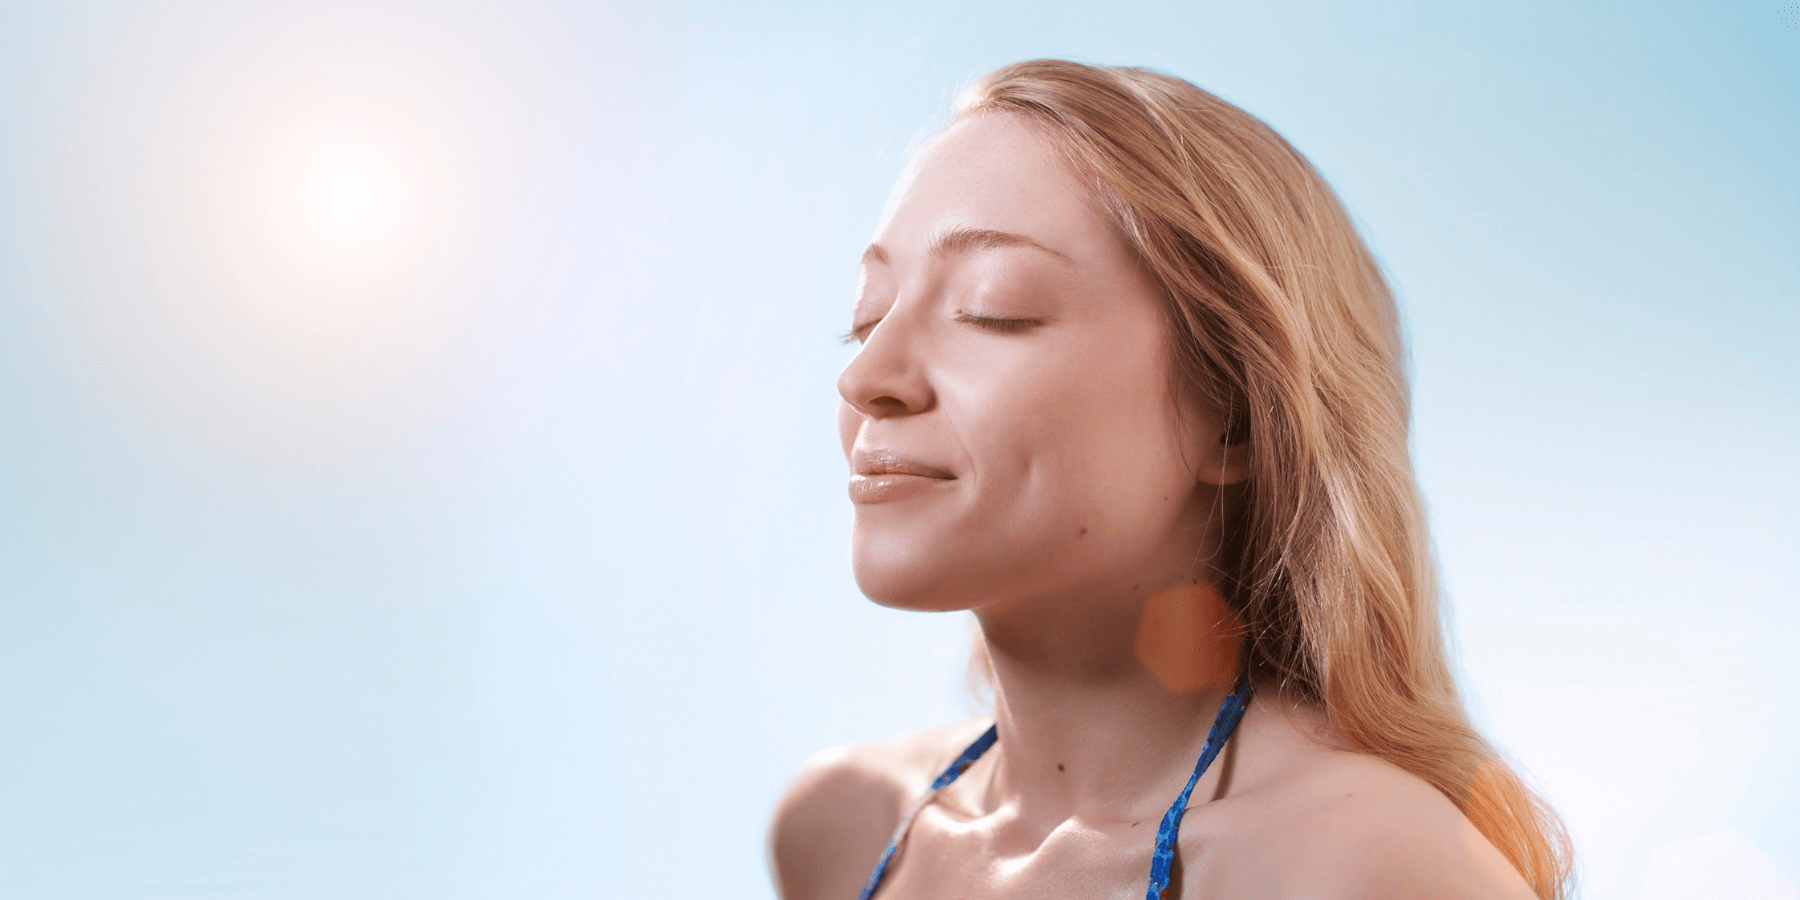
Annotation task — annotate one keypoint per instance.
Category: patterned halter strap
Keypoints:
(1230, 712)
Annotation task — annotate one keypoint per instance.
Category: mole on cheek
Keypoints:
(1083, 531)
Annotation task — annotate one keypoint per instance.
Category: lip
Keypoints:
(883, 476)
(887, 462)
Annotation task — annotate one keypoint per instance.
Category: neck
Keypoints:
(1103, 705)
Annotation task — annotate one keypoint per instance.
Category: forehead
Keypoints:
(997, 171)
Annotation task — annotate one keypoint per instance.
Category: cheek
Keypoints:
(1074, 448)
(1072, 474)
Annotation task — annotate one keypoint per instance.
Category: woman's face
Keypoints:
(1008, 419)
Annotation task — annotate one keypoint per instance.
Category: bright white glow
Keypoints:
(1723, 864)
(341, 192)
(350, 198)
(303, 211)
(321, 206)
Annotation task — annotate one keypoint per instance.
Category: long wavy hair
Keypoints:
(1279, 319)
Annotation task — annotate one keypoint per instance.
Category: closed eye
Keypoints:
(997, 323)
(858, 333)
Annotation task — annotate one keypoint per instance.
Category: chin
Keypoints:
(900, 575)
(907, 590)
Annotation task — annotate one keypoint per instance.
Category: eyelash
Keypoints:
(1001, 325)
(991, 323)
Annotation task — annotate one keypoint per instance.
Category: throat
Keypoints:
(1104, 705)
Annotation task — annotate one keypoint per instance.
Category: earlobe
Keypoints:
(1228, 463)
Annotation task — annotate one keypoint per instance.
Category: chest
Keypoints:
(944, 858)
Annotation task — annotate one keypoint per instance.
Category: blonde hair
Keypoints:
(1281, 321)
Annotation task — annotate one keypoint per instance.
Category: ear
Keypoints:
(1221, 451)
(1219, 463)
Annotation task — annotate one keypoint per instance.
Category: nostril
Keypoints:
(886, 404)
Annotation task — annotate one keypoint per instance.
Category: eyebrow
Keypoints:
(963, 239)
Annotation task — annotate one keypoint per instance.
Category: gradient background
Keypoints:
(417, 466)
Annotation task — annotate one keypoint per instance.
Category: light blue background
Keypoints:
(532, 582)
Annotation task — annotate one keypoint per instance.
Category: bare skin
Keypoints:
(1016, 451)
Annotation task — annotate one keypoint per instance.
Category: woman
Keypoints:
(1131, 389)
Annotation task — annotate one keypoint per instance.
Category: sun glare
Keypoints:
(325, 220)
(350, 199)
(297, 215)
(336, 189)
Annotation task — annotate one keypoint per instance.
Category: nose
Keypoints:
(886, 377)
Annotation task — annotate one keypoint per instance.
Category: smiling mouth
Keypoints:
(876, 463)
(882, 476)
(883, 487)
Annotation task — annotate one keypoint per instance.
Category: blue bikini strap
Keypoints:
(1230, 712)
(969, 756)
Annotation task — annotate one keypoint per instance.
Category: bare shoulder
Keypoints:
(835, 818)
(1332, 823)
(1371, 829)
